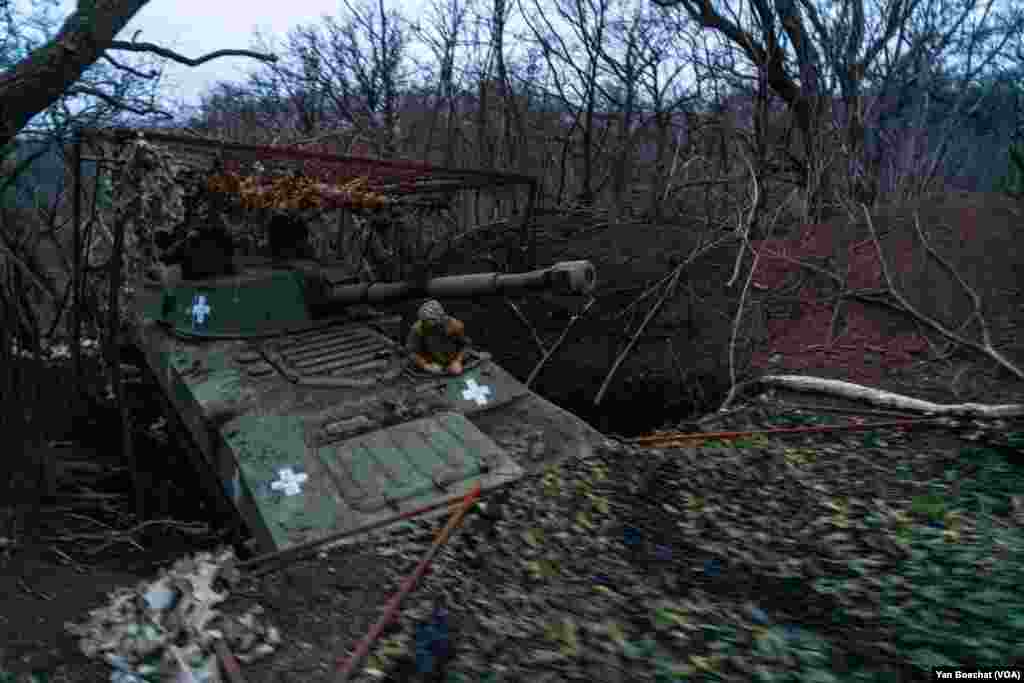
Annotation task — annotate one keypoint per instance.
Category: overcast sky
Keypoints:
(195, 27)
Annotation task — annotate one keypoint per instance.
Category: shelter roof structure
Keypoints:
(389, 177)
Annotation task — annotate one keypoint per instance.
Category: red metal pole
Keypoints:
(391, 609)
(228, 662)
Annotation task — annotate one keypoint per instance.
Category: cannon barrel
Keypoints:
(566, 277)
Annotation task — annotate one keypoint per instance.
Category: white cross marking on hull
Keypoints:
(290, 482)
(476, 392)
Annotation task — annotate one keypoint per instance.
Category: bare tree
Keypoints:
(634, 55)
(47, 72)
(107, 91)
(575, 66)
(290, 82)
(444, 36)
(501, 11)
(348, 73)
(666, 96)
(499, 116)
(243, 113)
(811, 50)
(51, 82)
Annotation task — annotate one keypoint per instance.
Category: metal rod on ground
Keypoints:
(391, 609)
(264, 564)
(705, 436)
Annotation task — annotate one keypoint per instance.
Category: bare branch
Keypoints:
(733, 387)
(134, 72)
(181, 59)
(118, 103)
(976, 303)
(536, 338)
(743, 227)
(558, 342)
(985, 347)
(668, 292)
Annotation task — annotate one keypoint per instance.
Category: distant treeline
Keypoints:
(977, 150)
(42, 180)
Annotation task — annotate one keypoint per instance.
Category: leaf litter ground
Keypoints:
(834, 557)
(846, 556)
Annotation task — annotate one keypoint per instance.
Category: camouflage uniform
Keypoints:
(436, 335)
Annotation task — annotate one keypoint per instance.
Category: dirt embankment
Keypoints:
(680, 367)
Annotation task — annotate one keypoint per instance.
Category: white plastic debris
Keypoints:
(164, 630)
(160, 596)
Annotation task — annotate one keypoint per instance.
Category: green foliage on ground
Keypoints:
(1013, 182)
(952, 603)
(8, 677)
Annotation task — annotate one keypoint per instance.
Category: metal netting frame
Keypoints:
(400, 178)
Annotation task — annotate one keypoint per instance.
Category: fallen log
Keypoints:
(887, 399)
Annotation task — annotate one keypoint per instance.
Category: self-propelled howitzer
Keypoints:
(302, 402)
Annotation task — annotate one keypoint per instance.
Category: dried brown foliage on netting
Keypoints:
(295, 192)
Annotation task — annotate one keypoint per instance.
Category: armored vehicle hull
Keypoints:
(307, 410)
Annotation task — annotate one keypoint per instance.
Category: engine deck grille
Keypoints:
(347, 352)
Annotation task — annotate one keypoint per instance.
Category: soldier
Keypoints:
(437, 341)
(288, 236)
(203, 251)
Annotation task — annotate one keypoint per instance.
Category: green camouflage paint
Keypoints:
(304, 420)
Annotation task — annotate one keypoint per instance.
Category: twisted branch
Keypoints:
(985, 347)
(181, 59)
(558, 342)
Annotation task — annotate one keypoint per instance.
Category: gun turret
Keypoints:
(264, 302)
(566, 277)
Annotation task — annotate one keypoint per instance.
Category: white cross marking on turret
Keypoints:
(476, 392)
(200, 309)
(290, 482)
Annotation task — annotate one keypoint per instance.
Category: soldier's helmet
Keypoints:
(432, 311)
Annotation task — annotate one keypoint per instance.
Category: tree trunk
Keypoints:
(587, 191)
(483, 149)
(660, 180)
(47, 72)
(516, 153)
(622, 171)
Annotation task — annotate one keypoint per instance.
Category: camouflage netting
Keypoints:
(148, 195)
(397, 210)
